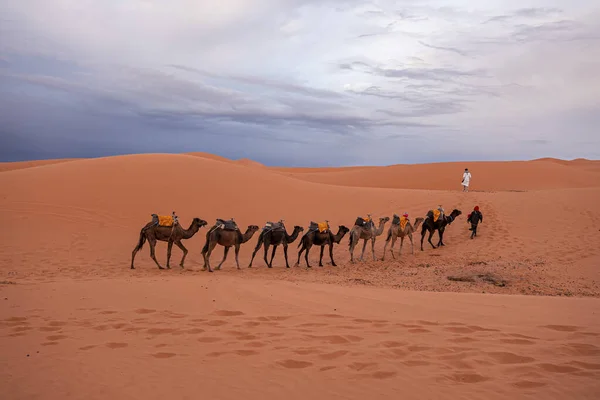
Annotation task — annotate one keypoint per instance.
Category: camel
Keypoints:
(275, 234)
(396, 231)
(226, 237)
(169, 234)
(317, 238)
(439, 225)
(366, 232)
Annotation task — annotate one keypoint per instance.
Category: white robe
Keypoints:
(466, 178)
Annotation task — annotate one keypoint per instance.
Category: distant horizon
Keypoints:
(306, 166)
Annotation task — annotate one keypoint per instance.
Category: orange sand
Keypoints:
(76, 322)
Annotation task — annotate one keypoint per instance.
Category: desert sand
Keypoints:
(519, 317)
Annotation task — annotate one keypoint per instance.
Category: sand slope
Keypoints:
(350, 331)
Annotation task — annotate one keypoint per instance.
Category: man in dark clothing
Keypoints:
(474, 218)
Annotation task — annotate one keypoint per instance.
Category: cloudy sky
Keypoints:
(301, 82)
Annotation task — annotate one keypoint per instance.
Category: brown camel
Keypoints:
(226, 236)
(169, 234)
(275, 234)
(317, 238)
(366, 232)
(397, 231)
(439, 225)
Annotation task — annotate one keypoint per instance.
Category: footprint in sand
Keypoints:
(144, 311)
(467, 378)
(227, 313)
(334, 355)
(216, 322)
(383, 374)
(49, 343)
(160, 331)
(209, 339)
(561, 328)
(558, 368)
(115, 345)
(359, 366)
(585, 365)
(246, 353)
(510, 358)
(582, 349)
(294, 364)
(163, 355)
(89, 347)
(54, 338)
(528, 384)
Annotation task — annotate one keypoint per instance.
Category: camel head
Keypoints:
(384, 220)
(454, 214)
(199, 222)
(343, 229)
(298, 228)
(253, 228)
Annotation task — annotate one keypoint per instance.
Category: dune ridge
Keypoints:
(511, 313)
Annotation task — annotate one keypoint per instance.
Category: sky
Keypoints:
(301, 82)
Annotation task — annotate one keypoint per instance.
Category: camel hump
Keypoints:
(227, 224)
(274, 226)
(396, 220)
(163, 220)
(363, 222)
(318, 226)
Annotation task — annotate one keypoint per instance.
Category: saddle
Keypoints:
(436, 214)
(318, 226)
(163, 220)
(227, 225)
(274, 226)
(363, 222)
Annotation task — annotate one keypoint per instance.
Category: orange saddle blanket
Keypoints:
(165, 220)
(436, 215)
(323, 226)
(403, 222)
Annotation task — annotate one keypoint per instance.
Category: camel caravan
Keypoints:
(226, 233)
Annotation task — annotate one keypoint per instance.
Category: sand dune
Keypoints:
(370, 328)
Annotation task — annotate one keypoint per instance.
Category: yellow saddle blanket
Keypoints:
(165, 220)
(436, 215)
(323, 226)
(403, 222)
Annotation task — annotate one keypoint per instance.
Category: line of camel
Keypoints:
(227, 234)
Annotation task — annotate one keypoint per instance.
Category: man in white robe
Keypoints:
(466, 179)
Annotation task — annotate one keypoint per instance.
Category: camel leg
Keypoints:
(351, 248)
(169, 248)
(237, 253)
(441, 234)
(185, 251)
(308, 246)
(401, 244)
(412, 245)
(272, 256)
(390, 238)
(321, 256)
(152, 243)
(394, 239)
(429, 239)
(211, 247)
(285, 246)
(266, 253)
(363, 250)
(258, 245)
(299, 254)
(373, 248)
(225, 251)
(331, 255)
